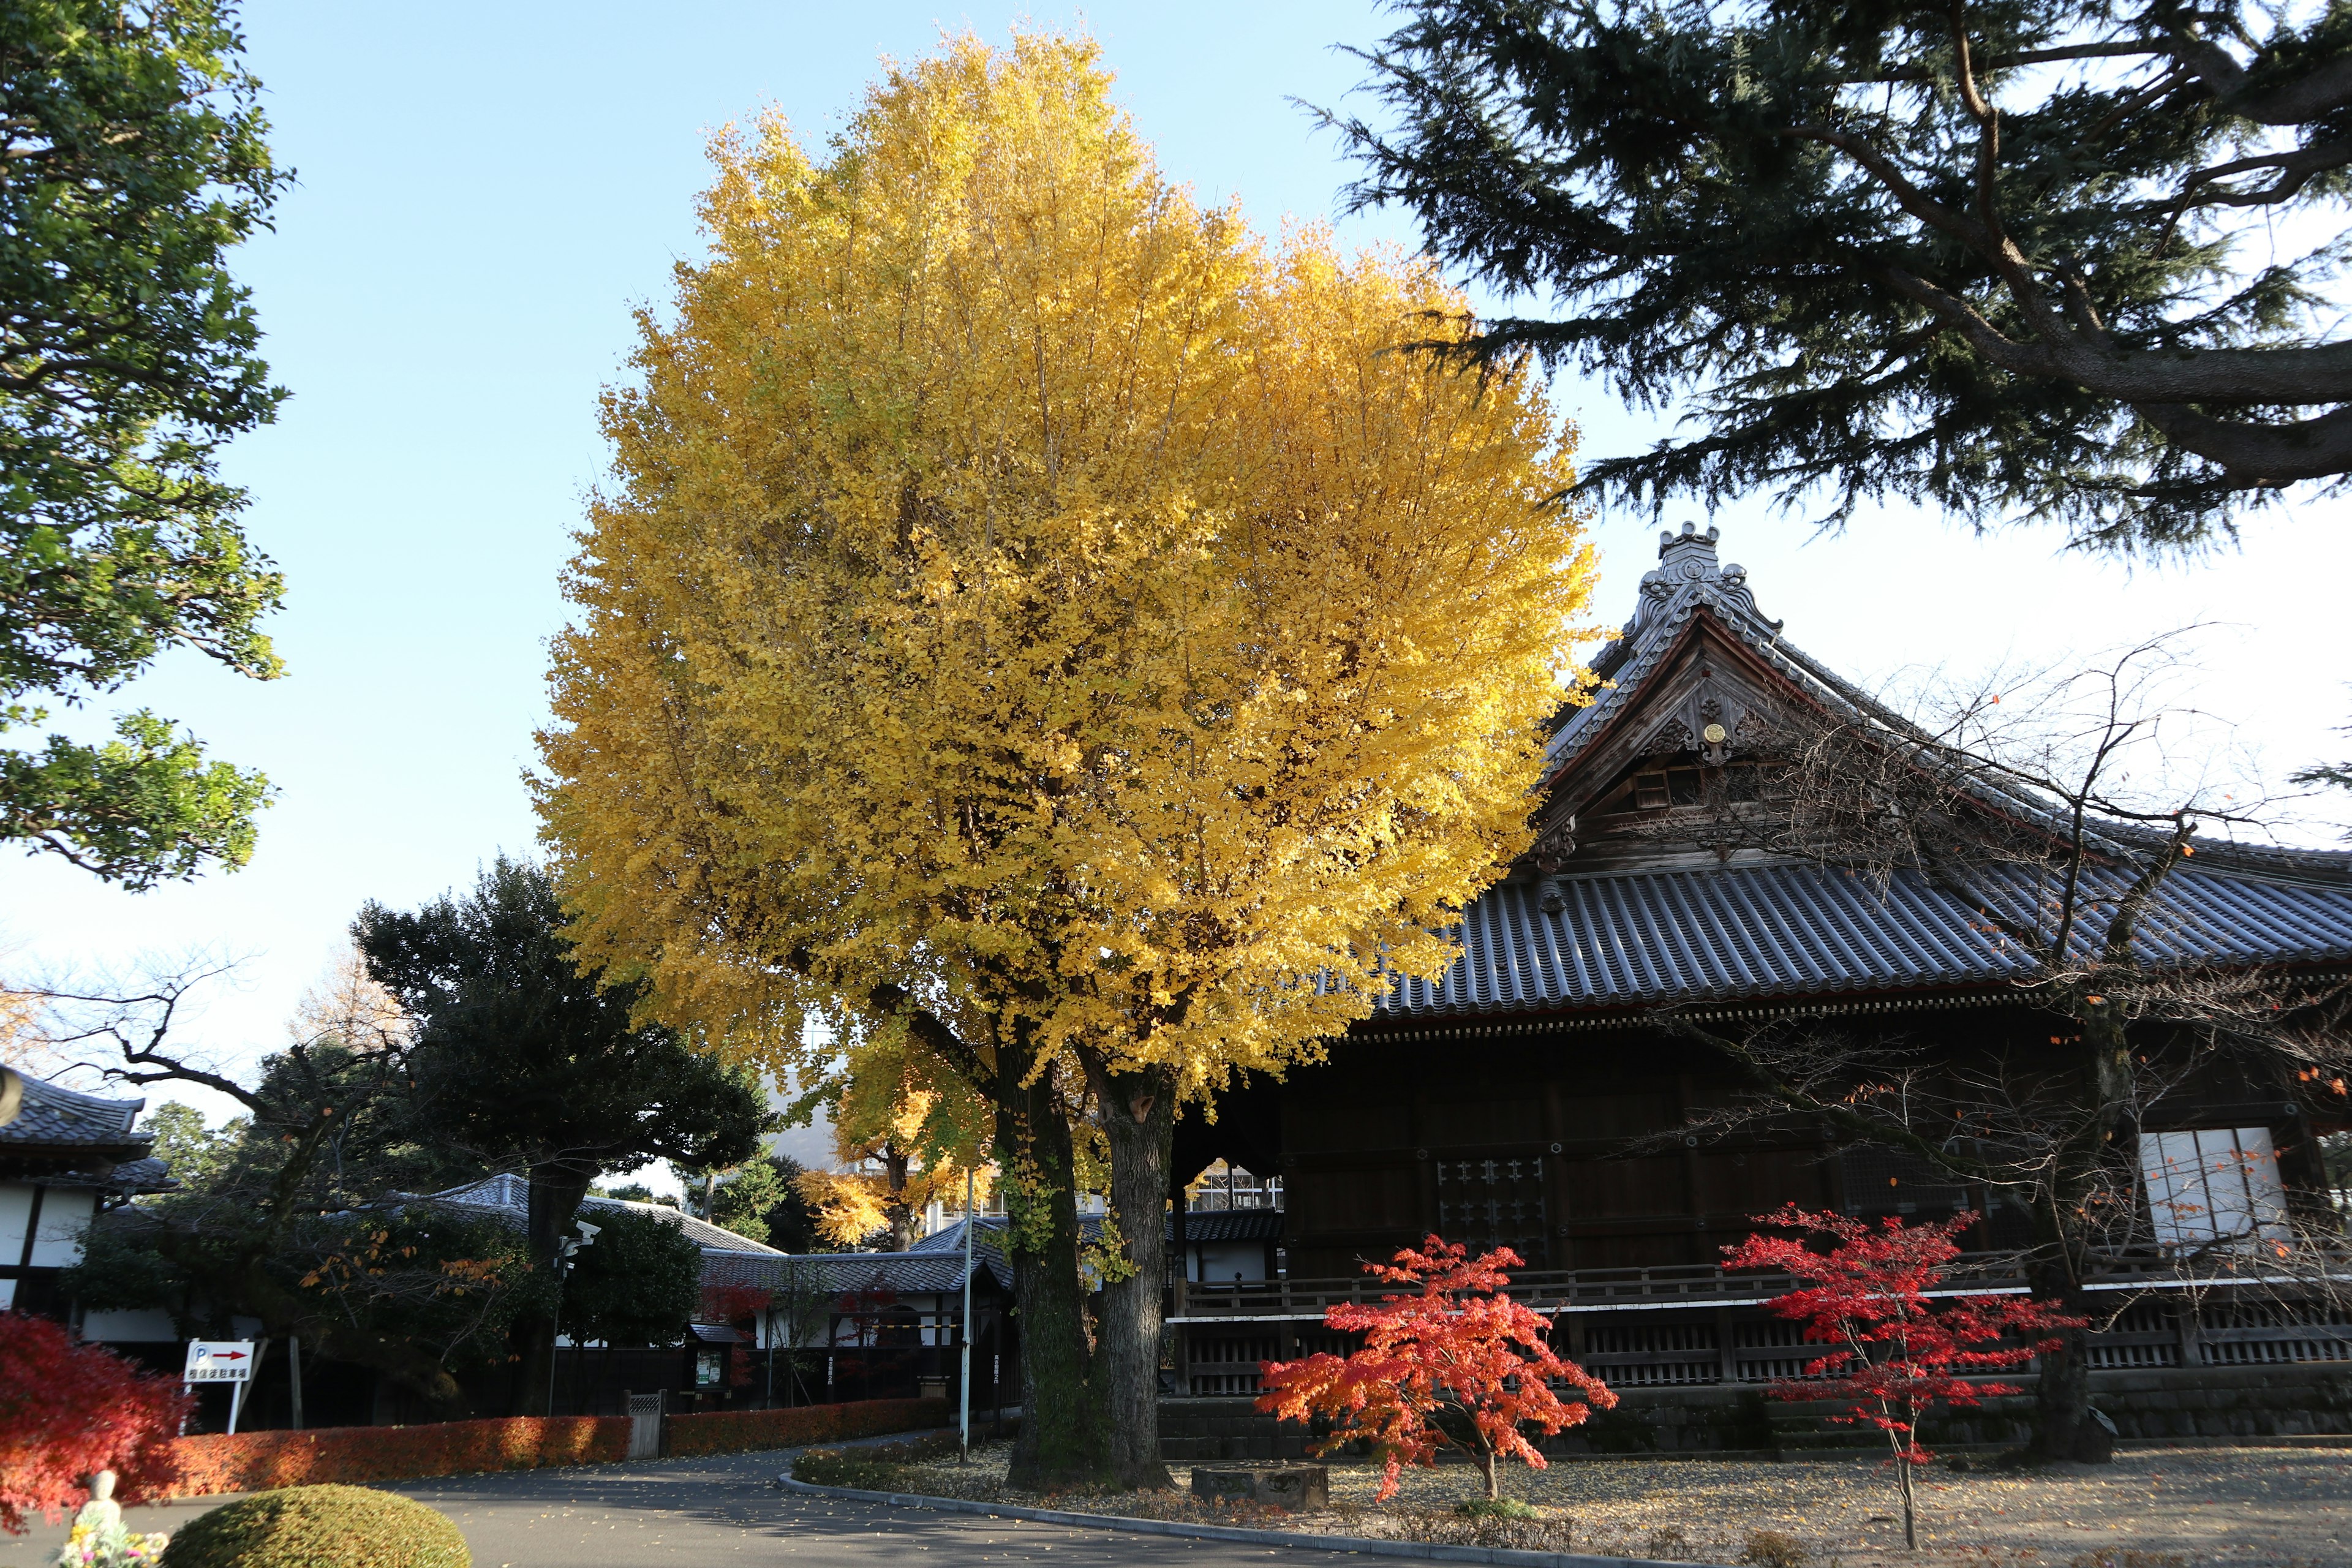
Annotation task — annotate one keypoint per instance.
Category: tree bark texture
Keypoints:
(897, 1212)
(2064, 1426)
(1060, 1441)
(556, 1190)
(1138, 1117)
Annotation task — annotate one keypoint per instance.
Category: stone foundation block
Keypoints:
(1279, 1485)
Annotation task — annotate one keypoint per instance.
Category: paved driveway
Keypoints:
(719, 1511)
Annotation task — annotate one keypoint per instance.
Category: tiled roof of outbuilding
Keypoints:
(936, 1262)
(1745, 931)
(53, 1116)
(1214, 1225)
(63, 1138)
(845, 1273)
(131, 1177)
(508, 1195)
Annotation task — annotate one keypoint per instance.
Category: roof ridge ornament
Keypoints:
(1687, 562)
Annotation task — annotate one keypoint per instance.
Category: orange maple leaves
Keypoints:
(1460, 1365)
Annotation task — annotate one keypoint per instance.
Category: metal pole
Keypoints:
(555, 1331)
(294, 1371)
(963, 1382)
(236, 1390)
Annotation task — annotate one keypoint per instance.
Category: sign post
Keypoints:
(222, 1361)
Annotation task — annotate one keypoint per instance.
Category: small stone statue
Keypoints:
(99, 1539)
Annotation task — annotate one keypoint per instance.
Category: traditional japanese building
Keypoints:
(1532, 1096)
(64, 1155)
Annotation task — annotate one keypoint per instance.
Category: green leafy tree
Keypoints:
(639, 1284)
(790, 1222)
(135, 161)
(522, 1059)
(627, 1192)
(330, 1128)
(739, 1198)
(1991, 255)
(279, 1216)
(197, 1153)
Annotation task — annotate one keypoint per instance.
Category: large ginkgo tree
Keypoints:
(1031, 619)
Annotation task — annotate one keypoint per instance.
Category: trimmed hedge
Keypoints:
(733, 1431)
(261, 1461)
(320, 1527)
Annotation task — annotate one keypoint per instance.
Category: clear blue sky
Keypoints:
(488, 190)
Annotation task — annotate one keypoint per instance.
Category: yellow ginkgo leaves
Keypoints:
(1023, 594)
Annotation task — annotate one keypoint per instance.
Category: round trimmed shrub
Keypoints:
(320, 1527)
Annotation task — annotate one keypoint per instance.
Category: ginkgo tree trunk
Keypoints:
(1034, 619)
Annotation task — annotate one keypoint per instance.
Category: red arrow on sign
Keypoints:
(227, 1355)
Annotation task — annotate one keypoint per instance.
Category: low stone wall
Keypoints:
(2207, 1402)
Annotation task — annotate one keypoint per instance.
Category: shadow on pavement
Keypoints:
(714, 1511)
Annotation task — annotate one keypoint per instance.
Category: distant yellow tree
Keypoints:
(1031, 615)
(901, 1111)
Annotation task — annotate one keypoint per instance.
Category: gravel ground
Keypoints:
(2150, 1508)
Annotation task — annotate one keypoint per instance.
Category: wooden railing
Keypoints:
(1229, 1331)
(1741, 1346)
(1552, 1291)
(1547, 1290)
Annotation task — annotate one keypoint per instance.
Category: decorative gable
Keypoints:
(1697, 669)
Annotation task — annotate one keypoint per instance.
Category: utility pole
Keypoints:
(964, 1382)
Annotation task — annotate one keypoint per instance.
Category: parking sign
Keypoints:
(219, 1360)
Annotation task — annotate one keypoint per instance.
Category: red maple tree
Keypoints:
(1898, 1355)
(1460, 1365)
(69, 1409)
(739, 1305)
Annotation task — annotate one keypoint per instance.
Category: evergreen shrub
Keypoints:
(320, 1527)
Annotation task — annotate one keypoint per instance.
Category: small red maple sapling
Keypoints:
(1461, 1352)
(1898, 1356)
(69, 1410)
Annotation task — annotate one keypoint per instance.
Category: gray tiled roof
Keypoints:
(935, 1264)
(1744, 932)
(131, 1176)
(988, 1242)
(901, 1273)
(1208, 1225)
(508, 1195)
(52, 1116)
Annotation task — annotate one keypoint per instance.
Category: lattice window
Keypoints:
(1487, 1204)
(1651, 1354)
(1229, 1365)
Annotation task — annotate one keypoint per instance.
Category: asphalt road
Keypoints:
(715, 1511)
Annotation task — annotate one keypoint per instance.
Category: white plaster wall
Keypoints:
(15, 1206)
(1217, 1265)
(147, 1323)
(65, 1219)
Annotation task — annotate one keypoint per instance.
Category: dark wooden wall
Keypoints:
(1568, 1148)
(1565, 1149)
